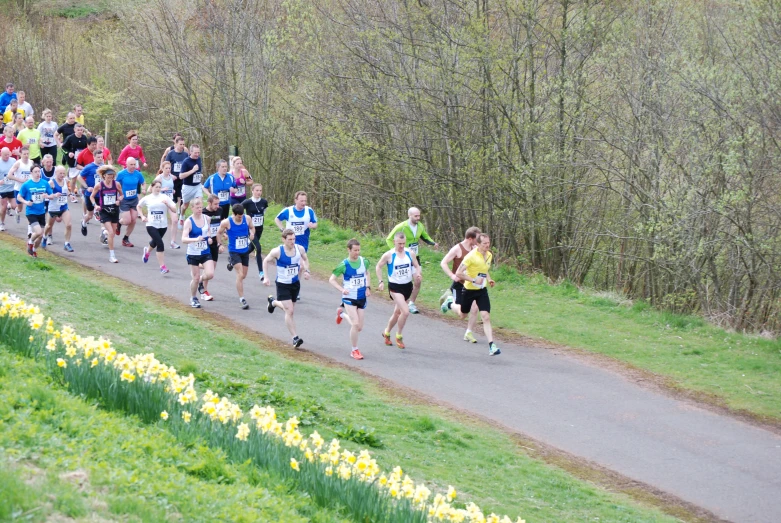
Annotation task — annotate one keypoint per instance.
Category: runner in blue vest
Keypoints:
(221, 183)
(33, 194)
(195, 235)
(238, 230)
(355, 288)
(58, 207)
(402, 269)
(289, 259)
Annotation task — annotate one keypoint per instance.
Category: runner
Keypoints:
(58, 207)
(474, 272)
(289, 258)
(177, 156)
(132, 150)
(48, 130)
(452, 300)
(242, 180)
(71, 147)
(415, 232)
(256, 207)
(9, 116)
(158, 205)
(31, 137)
(300, 218)
(33, 193)
(47, 173)
(109, 196)
(88, 178)
(169, 148)
(106, 152)
(403, 269)
(237, 230)
(168, 188)
(20, 173)
(24, 105)
(214, 215)
(87, 156)
(10, 141)
(356, 287)
(7, 96)
(6, 185)
(221, 183)
(192, 177)
(195, 236)
(133, 182)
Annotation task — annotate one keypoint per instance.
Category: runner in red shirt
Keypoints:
(11, 141)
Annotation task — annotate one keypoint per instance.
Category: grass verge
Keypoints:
(486, 465)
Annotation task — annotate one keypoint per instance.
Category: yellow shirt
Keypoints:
(80, 119)
(476, 265)
(8, 116)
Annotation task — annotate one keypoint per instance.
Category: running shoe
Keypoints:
(339, 318)
(113, 259)
(83, 229)
(493, 350)
(444, 297)
(117, 229)
(104, 238)
(51, 240)
(244, 304)
(356, 354)
(230, 266)
(445, 305)
(201, 290)
(180, 225)
(2, 228)
(297, 342)
(260, 274)
(413, 308)
(18, 218)
(205, 296)
(29, 249)
(400, 342)
(470, 337)
(74, 199)
(145, 257)
(194, 303)
(68, 247)
(175, 245)
(270, 304)
(164, 269)
(35, 253)
(386, 337)
(126, 243)
(44, 242)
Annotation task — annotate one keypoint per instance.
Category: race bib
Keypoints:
(290, 272)
(357, 282)
(158, 217)
(402, 272)
(257, 221)
(197, 177)
(24, 175)
(37, 197)
(482, 282)
(298, 228)
(201, 245)
(31, 141)
(242, 242)
(213, 229)
(240, 191)
(61, 200)
(130, 194)
(178, 167)
(413, 247)
(109, 199)
(224, 195)
(168, 192)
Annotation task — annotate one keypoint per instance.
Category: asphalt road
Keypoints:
(723, 465)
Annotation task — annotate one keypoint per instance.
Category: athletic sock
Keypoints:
(467, 332)
(342, 315)
(111, 253)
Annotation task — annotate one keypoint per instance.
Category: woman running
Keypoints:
(166, 180)
(157, 204)
(243, 181)
(58, 207)
(20, 173)
(195, 234)
(132, 150)
(105, 198)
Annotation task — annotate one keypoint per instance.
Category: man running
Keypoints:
(71, 147)
(192, 180)
(132, 183)
(220, 183)
(6, 185)
(31, 137)
(474, 272)
(238, 230)
(20, 173)
(289, 258)
(355, 288)
(33, 193)
(177, 156)
(213, 214)
(415, 232)
(300, 218)
(88, 178)
(109, 196)
(452, 300)
(403, 268)
(256, 207)
(195, 236)
(58, 207)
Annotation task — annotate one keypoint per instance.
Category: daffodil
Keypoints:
(61, 363)
(164, 415)
(186, 416)
(243, 432)
(451, 493)
(294, 464)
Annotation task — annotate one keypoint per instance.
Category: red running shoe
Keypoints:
(356, 354)
(205, 296)
(387, 339)
(126, 243)
(339, 316)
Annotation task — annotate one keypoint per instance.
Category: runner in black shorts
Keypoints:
(452, 299)
(402, 268)
(238, 230)
(213, 214)
(195, 236)
(474, 270)
(106, 197)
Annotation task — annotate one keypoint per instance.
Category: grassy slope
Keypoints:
(484, 464)
(65, 459)
(743, 370)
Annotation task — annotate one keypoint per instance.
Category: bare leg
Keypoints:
(195, 273)
(289, 307)
(489, 333)
(400, 313)
(66, 219)
(354, 317)
(37, 235)
(415, 290)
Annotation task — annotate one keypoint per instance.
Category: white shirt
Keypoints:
(48, 130)
(157, 207)
(28, 109)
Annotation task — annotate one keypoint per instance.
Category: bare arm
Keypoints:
(378, 269)
(279, 224)
(305, 263)
(445, 263)
(272, 256)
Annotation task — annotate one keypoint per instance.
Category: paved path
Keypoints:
(725, 466)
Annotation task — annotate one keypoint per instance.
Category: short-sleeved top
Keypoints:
(299, 221)
(73, 144)
(6, 185)
(130, 183)
(14, 145)
(32, 139)
(177, 160)
(66, 130)
(221, 187)
(158, 209)
(5, 99)
(48, 130)
(476, 266)
(8, 116)
(197, 177)
(60, 203)
(255, 210)
(354, 275)
(35, 192)
(90, 175)
(85, 157)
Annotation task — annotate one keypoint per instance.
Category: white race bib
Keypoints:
(242, 242)
(241, 191)
(223, 195)
(290, 272)
(168, 192)
(257, 221)
(357, 282)
(31, 141)
(413, 247)
(402, 272)
(197, 177)
(298, 228)
(213, 229)
(157, 217)
(37, 197)
(201, 245)
(61, 200)
(178, 167)
(131, 193)
(110, 199)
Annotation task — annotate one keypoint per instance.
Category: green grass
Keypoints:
(486, 465)
(742, 370)
(63, 458)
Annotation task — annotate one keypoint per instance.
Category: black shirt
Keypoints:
(177, 159)
(197, 177)
(66, 130)
(73, 144)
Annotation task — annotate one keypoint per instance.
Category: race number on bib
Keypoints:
(109, 199)
(213, 227)
(158, 217)
(61, 200)
(201, 245)
(357, 282)
(257, 221)
(242, 242)
(168, 192)
(130, 194)
(240, 191)
(37, 198)
(413, 247)
(178, 167)
(197, 177)
(290, 272)
(224, 195)
(402, 272)
(298, 228)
